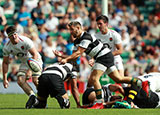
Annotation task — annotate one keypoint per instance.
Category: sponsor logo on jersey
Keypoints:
(110, 39)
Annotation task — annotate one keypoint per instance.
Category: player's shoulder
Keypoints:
(113, 32)
(23, 38)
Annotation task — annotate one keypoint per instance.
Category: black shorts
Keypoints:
(106, 60)
(85, 100)
(50, 84)
(141, 99)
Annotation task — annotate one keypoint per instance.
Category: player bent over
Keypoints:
(51, 83)
(23, 48)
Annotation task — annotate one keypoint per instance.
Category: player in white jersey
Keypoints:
(112, 40)
(154, 80)
(23, 48)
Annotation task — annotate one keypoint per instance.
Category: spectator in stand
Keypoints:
(30, 29)
(46, 7)
(52, 22)
(71, 9)
(92, 29)
(143, 28)
(125, 40)
(12, 76)
(23, 16)
(48, 47)
(36, 41)
(3, 20)
(37, 10)
(134, 16)
(9, 7)
(63, 22)
(132, 60)
(40, 20)
(94, 6)
(59, 11)
(114, 20)
(155, 28)
(76, 17)
(156, 10)
(133, 31)
(43, 33)
(20, 29)
(30, 4)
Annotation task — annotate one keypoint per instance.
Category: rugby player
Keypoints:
(104, 60)
(23, 48)
(51, 83)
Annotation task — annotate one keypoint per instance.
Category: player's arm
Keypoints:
(59, 54)
(5, 64)
(75, 91)
(116, 87)
(74, 56)
(34, 53)
(119, 49)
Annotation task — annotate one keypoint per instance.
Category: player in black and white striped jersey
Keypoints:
(51, 83)
(104, 60)
(89, 95)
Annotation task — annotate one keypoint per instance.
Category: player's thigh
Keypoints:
(43, 88)
(114, 74)
(56, 86)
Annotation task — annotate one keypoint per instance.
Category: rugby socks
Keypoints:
(98, 95)
(31, 94)
(131, 96)
(136, 82)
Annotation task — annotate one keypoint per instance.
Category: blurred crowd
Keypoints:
(44, 21)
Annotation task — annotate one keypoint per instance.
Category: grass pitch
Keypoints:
(14, 104)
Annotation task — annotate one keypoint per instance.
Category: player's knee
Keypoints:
(64, 103)
(93, 79)
(21, 79)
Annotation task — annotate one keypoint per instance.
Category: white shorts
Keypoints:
(101, 67)
(118, 63)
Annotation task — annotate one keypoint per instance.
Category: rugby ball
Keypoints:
(34, 65)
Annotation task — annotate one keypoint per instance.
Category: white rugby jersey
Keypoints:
(109, 39)
(154, 79)
(21, 49)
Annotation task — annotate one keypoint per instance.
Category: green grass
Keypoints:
(14, 104)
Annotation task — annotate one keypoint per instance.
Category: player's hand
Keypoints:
(5, 83)
(57, 53)
(91, 62)
(63, 61)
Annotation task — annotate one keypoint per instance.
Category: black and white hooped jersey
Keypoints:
(63, 70)
(94, 47)
(106, 93)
